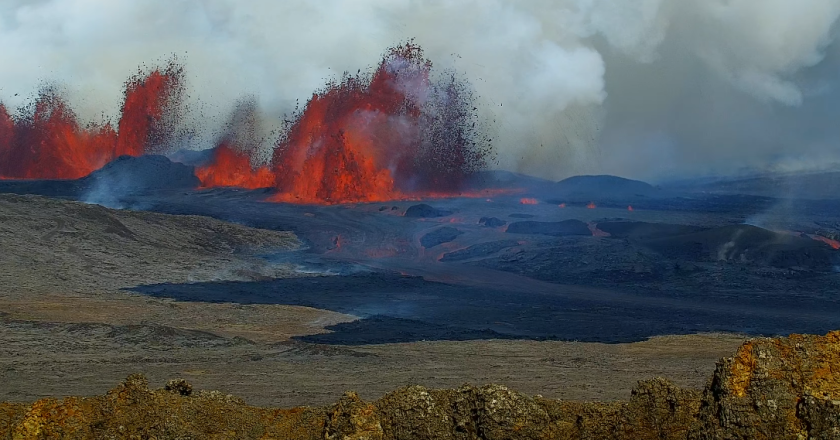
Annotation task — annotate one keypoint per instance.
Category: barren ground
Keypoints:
(68, 327)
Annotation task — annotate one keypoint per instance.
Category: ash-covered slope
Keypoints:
(55, 245)
(771, 389)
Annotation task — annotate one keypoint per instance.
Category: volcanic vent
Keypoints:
(394, 133)
(46, 141)
(401, 131)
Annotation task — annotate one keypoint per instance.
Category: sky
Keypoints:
(648, 89)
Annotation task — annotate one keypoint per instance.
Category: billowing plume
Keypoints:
(647, 88)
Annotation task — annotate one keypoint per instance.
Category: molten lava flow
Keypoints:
(630, 208)
(591, 205)
(833, 243)
(562, 205)
(528, 201)
(233, 168)
(46, 141)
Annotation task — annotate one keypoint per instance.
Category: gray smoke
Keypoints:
(644, 88)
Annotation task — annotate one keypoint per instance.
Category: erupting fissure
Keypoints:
(392, 134)
(46, 141)
(399, 132)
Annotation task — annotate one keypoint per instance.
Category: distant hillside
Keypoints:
(796, 186)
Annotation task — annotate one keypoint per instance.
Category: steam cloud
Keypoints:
(647, 89)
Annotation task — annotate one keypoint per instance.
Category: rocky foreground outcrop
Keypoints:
(786, 388)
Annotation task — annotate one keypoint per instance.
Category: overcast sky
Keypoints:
(648, 89)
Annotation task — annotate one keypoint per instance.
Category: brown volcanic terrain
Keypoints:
(786, 388)
(67, 261)
(66, 328)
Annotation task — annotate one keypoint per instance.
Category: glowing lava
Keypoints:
(150, 110)
(233, 168)
(46, 141)
(393, 134)
(833, 243)
(591, 205)
(528, 201)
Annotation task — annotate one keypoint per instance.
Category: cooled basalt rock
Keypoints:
(439, 236)
(491, 222)
(785, 388)
(554, 229)
(425, 211)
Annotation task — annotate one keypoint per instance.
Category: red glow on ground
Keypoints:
(337, 242)
(233, 168)
(629, 208)
(591, 205)
(833, 243)
(528, 201)
(562, 205)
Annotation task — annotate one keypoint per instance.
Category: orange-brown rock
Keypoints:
(786, 388)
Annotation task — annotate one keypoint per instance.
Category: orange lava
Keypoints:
(143, 123)
(389, 135)
(46, 141)
(833, 243)
(528, 201)
(233, 168)
(348, 138)
(591, 205)
(50, 144)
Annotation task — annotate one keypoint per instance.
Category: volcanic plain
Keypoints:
(558, 289)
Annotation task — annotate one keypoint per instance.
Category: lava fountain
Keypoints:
(232, 162)
(391, 134)
(46, 141)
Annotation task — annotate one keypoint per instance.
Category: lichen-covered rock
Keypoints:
(131, 410)
(786, 388)
(353, 419)
(763, 391)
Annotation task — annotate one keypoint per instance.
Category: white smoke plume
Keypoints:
(642, 88)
